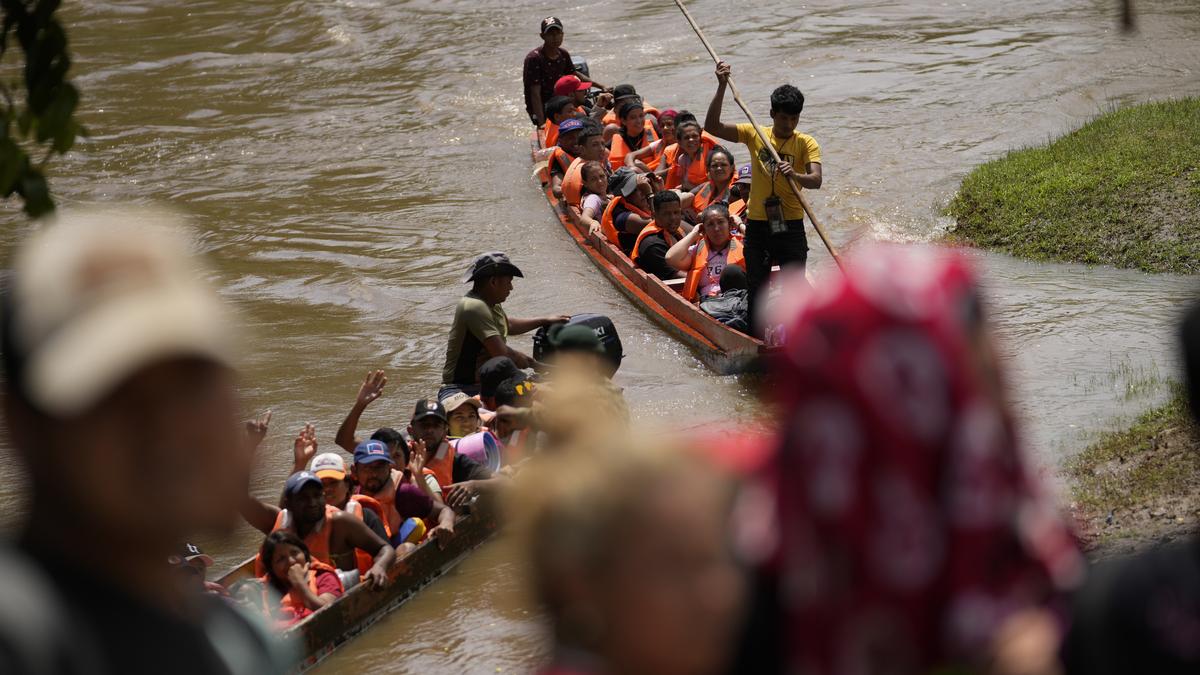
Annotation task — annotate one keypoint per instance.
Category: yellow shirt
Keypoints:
(800, 150)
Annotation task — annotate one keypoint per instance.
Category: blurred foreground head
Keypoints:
(119, 392)
(628, 552)
(911, 528)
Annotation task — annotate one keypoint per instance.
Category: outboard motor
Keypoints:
(601, 325)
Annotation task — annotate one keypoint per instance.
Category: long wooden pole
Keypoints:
(762, 135)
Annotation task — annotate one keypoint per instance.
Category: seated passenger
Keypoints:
(635, 132)
(590, 146)
(576, 90)
(687, 160)
(595, 196)
(651, 156)
(620, 94)
(650, 249)
(558, 110)
(739, 194)
(330, 534)
(462, 413)
(458, 476)
(716, 188)
(298, 585)
(494, 371)
(192, 564)
(339, 493)
(629, 211)
(564, 153)
(705, 252)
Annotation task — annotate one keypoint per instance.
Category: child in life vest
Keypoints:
(595, 199)
(295, 585)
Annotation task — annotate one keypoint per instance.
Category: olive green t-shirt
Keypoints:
(474, 322)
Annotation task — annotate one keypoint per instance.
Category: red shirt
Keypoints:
(327, 582)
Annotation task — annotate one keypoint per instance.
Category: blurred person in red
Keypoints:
(911, 536)
(629, 554)
(120, 403)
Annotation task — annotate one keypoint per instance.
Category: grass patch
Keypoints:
(1122, 190)
(1143, 480)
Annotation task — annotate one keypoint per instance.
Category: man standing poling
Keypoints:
(775, 224)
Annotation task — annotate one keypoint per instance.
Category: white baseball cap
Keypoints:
(329, 465)
(98, 294)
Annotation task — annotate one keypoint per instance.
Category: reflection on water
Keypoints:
(344, 160)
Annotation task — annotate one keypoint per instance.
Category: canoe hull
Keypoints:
(721, 348)
(319, 635)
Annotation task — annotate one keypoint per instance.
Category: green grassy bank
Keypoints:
(1122, 190)
(1139, 485)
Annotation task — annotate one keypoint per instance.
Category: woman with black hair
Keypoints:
(296, 584)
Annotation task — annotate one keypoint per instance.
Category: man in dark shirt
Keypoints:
(120, 402)
(543, 67)
(665, 230)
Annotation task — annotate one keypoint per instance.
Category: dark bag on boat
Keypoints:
(731, 308)
(601, 325)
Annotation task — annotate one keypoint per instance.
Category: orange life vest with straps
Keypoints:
(738, 208)
(697, 168)
(387, 503)
(292, 604)
(442, 468)
(355, 506)
(691, 286)
(650, 228)
(572, 182)
(551, 138)
(616, 154)
(704, 195)
(318, 541)
(560, 157)
(606, 222)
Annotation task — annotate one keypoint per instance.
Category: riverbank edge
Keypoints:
(1121, 190)
(1138, 486)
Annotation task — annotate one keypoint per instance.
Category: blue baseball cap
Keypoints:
(369, 452)
(572, 124)
(299, 480)
(743, 175)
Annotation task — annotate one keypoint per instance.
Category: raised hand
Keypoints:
(723, 72)
(256, 429)
(304, 448)
(416, 459)
(371, 388)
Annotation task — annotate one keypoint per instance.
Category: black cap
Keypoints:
(623, 90)
(551, 22)
(494, 371)
(429, 408)
(491, 264)
(623, 182)
(629, 104)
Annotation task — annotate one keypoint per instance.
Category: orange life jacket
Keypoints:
(442, 469)
(551, 134)
(318, 541)
(355, 506)
(387, 504)
(616, 154)
(560, 157)
(703, 195)
(572, 182)
(651, 228)
(606, 222)
(292, 605)
(738, 208)
(697, 169)
(691, 286)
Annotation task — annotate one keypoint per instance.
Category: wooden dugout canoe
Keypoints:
(721, 348)
(318, 635)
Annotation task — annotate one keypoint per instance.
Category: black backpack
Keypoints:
(731, 308)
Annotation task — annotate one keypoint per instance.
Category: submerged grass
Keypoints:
(1146, 472)
(1122, 190)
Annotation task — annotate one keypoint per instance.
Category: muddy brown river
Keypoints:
(344, 159)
